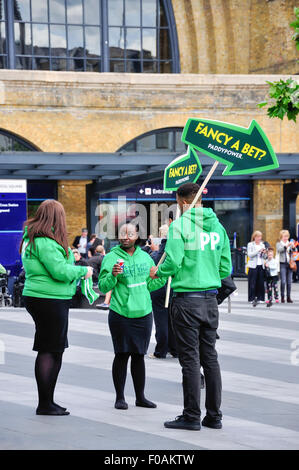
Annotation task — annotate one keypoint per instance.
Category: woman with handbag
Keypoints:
(50, 283)
(285, 247)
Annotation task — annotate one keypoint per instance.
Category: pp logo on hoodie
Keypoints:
(211, 238)
(202, 241)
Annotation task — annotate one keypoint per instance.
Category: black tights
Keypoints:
(119, 374)
(47, 367)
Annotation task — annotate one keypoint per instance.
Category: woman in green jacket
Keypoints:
(51, 279)
(130, 315)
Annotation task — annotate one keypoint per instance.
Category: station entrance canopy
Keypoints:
(116, 171)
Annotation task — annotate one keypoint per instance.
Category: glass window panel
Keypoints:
(23, 38)
(92, 40)
(40, 39)
(75, 39)
(3, 62)
(58, 40)
(147, 143)
(57, 11)
(149, 13)
(164, 140)
(2, 38)
(133, 42)
(179, 145)
(150, 67)
(116, 15)
(41, 63)
(165, 67)
(93, 65)
(161, 14)
(116, 42)
(23, 63)
(117, 66)
(21, 10)
(58, 64)
(149, 43)
(132, 12)
(133, 66)
(39, 10)
(5, 143)
(74, 11)
(76, 65)
(2, 17)
(164, 44)
(92, 11)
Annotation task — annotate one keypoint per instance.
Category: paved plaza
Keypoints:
(259, 356)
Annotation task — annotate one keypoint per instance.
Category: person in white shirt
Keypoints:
(80, 243)
(256, 282)
(285, 247)
(271, 271)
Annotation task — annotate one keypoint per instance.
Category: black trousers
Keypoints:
(195, 321)
(256, 284)
(164, 332)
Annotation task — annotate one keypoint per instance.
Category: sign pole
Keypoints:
(199, 193)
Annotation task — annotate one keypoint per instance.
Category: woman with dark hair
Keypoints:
(125, 271)
(50, 283)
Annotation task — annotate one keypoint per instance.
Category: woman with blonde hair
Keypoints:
(256, 281)
(284, 248)
(51, 280)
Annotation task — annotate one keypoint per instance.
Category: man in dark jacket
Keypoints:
(96, 261)
(81, 241)
(164, 332)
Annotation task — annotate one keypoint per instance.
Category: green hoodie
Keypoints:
(49, 272)
(131, 289)
(198, 252)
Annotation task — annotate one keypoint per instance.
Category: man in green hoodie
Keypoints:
(198, 258)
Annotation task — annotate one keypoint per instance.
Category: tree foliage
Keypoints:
(284, 94)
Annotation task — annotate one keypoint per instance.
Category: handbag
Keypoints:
(227, 288)
(293, 265)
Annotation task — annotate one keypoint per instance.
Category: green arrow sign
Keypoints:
(242, 150)
(184, 169)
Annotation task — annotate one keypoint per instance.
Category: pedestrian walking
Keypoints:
(285, 247)
(50, 283)
(125, 271)
(197, 257)
(256, 251)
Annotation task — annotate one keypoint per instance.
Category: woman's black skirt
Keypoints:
(51, 323)
(130, 335)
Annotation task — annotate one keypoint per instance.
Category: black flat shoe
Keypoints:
(60, 407)
(121, 405)
(58, 412)
(209, 423)
(145, 404)
(180, 422)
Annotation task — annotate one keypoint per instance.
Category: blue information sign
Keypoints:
(13, 213)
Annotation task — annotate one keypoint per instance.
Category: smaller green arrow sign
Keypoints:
(184, 169)
(242, 150)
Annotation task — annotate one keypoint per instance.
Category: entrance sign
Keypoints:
(184, 169)
(243, 150)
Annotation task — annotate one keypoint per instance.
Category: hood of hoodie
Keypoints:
(203, 217)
